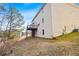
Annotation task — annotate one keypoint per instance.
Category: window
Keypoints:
(43, 32)
(42, 20)
(66, 7)
(39, 24)
(42, 11)
(32, 23)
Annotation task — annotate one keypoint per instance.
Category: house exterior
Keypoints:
(55, 19)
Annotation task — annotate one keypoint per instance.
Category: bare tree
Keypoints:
(2, 9)
(14, 22)
(10, 23)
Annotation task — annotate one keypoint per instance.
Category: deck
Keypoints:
(32, 27)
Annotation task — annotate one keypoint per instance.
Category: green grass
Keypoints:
(70, 37)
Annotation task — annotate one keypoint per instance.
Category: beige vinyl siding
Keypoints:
(64, 15)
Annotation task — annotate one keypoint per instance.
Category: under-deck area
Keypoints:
(33, 29)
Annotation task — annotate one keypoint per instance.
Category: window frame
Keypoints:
(43, 32)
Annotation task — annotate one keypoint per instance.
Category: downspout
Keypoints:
(51, 18)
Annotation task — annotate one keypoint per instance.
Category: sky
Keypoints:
(28, 10)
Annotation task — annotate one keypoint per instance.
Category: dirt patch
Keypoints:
(42, 47)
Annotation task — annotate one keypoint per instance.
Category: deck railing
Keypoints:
(32, 26)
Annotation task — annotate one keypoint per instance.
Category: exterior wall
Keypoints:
(58, 17)
(64, 16)
(46, 15)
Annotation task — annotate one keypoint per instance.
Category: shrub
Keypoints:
(75, 30)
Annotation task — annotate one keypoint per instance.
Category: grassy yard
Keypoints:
(69, 36)
(66, 37)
